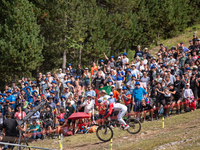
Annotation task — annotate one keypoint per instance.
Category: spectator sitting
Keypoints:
(63, 128)
(35, 129)
(81, 127)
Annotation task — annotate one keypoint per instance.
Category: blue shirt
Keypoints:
(112, 100)
(119, 78)
(29, 97)
(11, 98)
(113, 77)
(138, 94)
(127, 93)
(35, 115)
(140, 53)
(16, 94)
(128, 78)
(72, 71)
(185, 49)
(1, 100)
(92, 93)
(56, 99)
(53, 106)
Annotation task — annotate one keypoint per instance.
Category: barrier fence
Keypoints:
(114, 117)
(90, 122)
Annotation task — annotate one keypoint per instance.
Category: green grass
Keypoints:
(177, 128)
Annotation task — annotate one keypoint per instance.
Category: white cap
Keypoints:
(112, 85)
(188, 84)
(119, 57)
(103, 91)
(133, 65)
(60, 69)
(111, 94)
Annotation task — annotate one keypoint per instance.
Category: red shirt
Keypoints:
(81, 126)
(102, 109)
(127, 100)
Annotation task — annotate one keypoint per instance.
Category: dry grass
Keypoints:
(177, 128)
(185, 37)
(183, 130)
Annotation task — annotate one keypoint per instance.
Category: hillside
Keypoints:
(184, 37)
(180, 132)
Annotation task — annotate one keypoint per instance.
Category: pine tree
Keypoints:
(20, 43)
(51, 16)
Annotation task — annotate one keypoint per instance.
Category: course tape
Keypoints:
(113, 117)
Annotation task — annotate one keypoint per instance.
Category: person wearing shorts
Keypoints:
(137, 97)
(177, 97)
(167, 100)
(62, 128)
(81, 127)
(160, 99)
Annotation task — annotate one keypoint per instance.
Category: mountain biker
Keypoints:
(116, 107)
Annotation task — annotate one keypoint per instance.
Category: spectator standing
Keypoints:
(97, 81)
(137, 97)
(16, 93)
(46, 85)
(126, 96)
(90, 92)
(80, 107)
(77, 89)
(10, 127)
(86, 77)
(125, 59)
(11, 98)
(19, 114)
(60, 75)
(89, 108)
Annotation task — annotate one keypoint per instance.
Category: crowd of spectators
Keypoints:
(147, 81)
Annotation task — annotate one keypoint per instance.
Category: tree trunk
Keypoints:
(80, 50)
(64, 61)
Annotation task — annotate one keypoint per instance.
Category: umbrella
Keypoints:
(78, 115)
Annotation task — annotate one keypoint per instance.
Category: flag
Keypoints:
(106, 88)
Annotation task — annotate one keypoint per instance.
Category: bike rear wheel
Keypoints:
(104, 133)
(135, 125)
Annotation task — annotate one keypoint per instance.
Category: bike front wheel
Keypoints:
(104, 133)
(135, 125)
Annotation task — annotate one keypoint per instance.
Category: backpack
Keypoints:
(67, 114)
